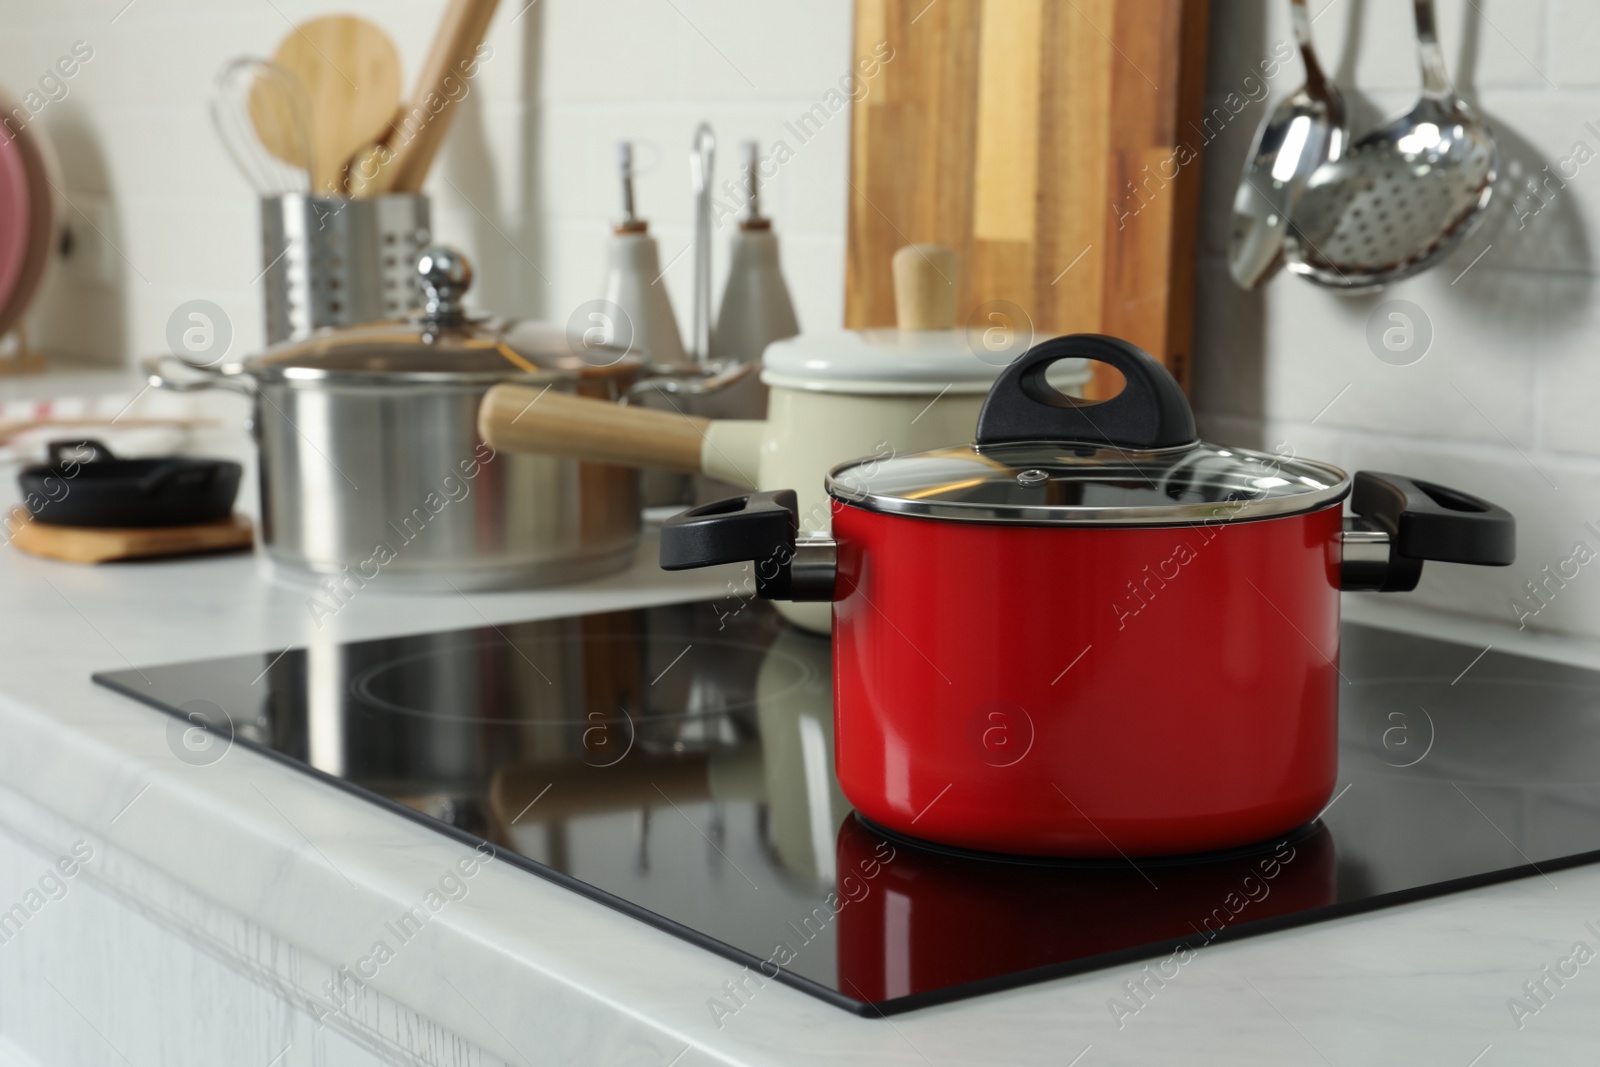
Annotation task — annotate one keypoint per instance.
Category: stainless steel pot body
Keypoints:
(372, 469)
(385, 483)
(391, 484)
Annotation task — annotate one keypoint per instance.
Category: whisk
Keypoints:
(256, 102)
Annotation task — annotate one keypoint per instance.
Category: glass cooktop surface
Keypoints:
(676, 763)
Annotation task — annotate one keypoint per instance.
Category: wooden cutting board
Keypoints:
(102, 544)
(1018, 133)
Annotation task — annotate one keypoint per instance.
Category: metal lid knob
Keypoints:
(445, 275)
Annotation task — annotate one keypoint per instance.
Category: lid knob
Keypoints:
(445, 275)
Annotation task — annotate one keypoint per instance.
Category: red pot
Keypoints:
(1089, 634)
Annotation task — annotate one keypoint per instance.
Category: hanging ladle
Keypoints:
(1404, 196)
(1299, 135)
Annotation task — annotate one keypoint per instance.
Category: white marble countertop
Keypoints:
(289, 878)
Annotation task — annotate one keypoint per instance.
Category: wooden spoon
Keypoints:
(441, 84)
(368, 173)
(351, 74)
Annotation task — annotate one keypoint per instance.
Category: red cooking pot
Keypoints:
(1088, 633)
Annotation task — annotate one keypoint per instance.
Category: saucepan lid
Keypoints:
(442, 344)
(954, 362)
(1044, 458)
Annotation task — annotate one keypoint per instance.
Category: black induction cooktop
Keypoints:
(675, 763)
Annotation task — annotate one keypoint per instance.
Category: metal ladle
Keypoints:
(1404, 196)
(1299, 135)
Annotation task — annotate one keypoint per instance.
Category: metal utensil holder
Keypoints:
(335, 261)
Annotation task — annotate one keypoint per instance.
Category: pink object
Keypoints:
(15, 213)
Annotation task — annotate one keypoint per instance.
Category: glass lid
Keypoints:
(1044, 458)
(1040, 483)
(443, 343)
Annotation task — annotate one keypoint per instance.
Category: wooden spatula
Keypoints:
(401, 165)
(351, 74)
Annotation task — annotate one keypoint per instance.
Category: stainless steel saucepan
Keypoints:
(372, 469)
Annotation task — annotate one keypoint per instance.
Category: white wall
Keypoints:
(1501, 405)
(1505, 402)
(526, 180)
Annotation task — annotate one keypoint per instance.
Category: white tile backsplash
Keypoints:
(1574, 41)
(526, 182)
(1469, 386)
(625, 51)
(1373, 46)
(1510, 50)
(1569, 379)
(1504, 403)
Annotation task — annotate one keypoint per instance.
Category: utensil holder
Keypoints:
(336, 261)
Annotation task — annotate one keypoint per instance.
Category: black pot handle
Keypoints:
(1422, 521)
(759, 527)
(1150, 412)
(756, 526)
(58, 451)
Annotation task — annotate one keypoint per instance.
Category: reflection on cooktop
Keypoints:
(677, 765)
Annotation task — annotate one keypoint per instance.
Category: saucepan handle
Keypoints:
(694, 380)
(1151, 411)
(1400, 522)
(155, 370)
(59, 451)
(548, 421)
(757, 527)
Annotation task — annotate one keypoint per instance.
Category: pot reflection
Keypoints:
(432, 719)
(933, 919)
(805, 804)
(782, 763)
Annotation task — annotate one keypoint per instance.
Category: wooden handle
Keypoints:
(518, 418)
(925, 287)
(454, 44)
(370, 171)
(518, 792)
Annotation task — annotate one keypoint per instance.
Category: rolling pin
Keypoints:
(410, 151)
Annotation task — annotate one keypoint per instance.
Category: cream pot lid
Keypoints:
(901, 361)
